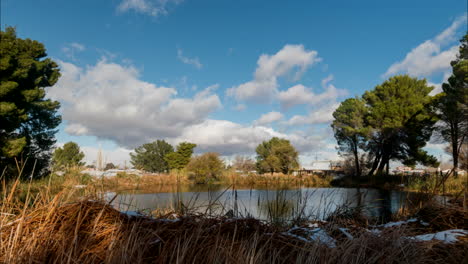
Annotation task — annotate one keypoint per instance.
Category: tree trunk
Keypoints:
(383, 162)
(455, 156)
(356, 157)
(375, 164)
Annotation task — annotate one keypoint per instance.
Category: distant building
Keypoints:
(408, 170)
(321, 167)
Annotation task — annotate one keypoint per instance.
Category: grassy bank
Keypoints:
(433, 183)
(57, 229)
(153, 182)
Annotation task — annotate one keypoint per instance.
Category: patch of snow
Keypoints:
(423, 223)
(346, 233)
(399, 223)
(447, 236)
(80, 186)
(132, 213)
(315, 235)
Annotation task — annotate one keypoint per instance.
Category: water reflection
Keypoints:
(272, 205)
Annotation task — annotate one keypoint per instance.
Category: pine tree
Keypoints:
(28, 120)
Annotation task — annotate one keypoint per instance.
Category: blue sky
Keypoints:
(228, 74)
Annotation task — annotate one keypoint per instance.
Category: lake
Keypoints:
(267, 204)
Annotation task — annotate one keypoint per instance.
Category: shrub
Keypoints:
(205, 168)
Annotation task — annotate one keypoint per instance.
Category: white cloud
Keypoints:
(109, 101)
(229, 138)
(72, 48)
(430, 57)
(191, 61)
(296, 95)
(299, 94)
(268, 118)
(319, 115)
(264, 86)
(148, 7)
(118, 156)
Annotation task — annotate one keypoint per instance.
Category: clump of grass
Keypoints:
(275, 179)
(438, 184)
(92, 231)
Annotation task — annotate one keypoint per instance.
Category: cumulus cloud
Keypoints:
(319, 115)
(149, 7)
(229, 138)
(109, 101)
(268, 118)
(191, 61)
(299, 94)
(264, 86)
(432, 56)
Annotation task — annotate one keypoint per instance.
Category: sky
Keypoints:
(227, 74)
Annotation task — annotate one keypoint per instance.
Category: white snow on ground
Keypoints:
(399, 223)
(447, 236)
(346, 233)
(314, 235)
(132, 213)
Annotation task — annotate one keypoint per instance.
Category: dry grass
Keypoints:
(276, 179)
(49, 227)
(168, 182)
(53, 229)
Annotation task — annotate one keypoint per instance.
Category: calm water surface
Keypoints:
(284, 204)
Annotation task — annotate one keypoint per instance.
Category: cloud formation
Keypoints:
(299, 94)
(264, 86)
(148, 7)
(268, 118)
(432, 56)
(109, 101)
(229, 138)
(191, 61)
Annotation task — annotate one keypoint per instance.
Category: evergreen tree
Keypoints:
(350, 129)
(452, 105)
(28, 120)
(151, 156)
(181, 157)
(68, 156)
(400, 121)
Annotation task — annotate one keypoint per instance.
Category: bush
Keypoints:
(205, 168)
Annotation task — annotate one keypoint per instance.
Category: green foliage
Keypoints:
(110, 166)
(27, 119)
(205, 168)
(351, 129)
(452, 104)
(401, 121)
(181, 157)
(391, 122)
(276, 155)
(68, 156)
(151, 156)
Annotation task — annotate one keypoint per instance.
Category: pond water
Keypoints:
(267, 204)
